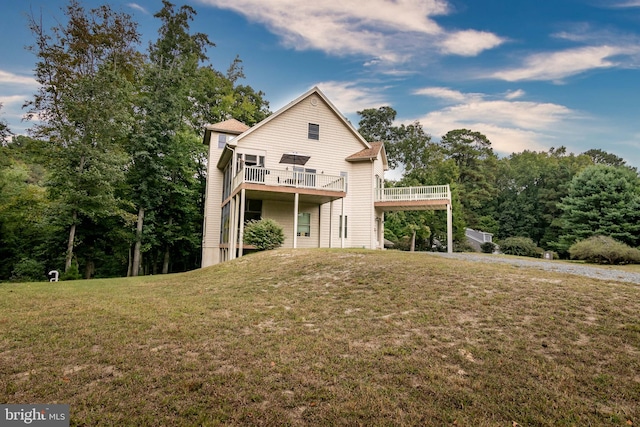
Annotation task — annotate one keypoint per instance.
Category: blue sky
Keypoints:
(529, 74)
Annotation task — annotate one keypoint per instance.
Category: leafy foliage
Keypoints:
(604, 250)
(487, 247)
(28, 270)
(264, 234)
(4, 128)
(602, 200)
(118, 137)
(521, 246)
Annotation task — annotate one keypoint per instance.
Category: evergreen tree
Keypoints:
(602, 200)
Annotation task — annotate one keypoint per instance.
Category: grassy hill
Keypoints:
(328, 337)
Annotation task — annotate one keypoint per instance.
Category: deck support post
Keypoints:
(296, 199)
(449, 229)
(242, 209)
(233, 231)
(342, 226)
(331, 224)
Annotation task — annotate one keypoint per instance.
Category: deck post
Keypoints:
(449, 229)
(233, 232)
(296, 199)
(331, 224)
(242, 209)
(342, 226)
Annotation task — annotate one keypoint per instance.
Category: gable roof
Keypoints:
(370, 154)
(231, 126)
(317, 91)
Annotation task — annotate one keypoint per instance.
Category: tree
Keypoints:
(472, 153)
(377, 125)
(218, 97)
(4, 129)
(530, 185)
(602, 200)
(83, 104)
(601, 157)
(164, 147)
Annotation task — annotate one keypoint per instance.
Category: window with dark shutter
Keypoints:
(314, 131)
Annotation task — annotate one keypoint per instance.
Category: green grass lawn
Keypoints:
(328, 337)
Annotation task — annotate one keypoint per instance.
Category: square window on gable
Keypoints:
(314, 131)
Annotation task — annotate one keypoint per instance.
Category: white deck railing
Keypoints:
(284, 178)
(401, 194)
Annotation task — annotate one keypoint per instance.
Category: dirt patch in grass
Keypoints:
(328, 337)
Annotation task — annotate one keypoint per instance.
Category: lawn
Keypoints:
(328, 337)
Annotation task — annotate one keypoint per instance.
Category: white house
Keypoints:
(307, 168)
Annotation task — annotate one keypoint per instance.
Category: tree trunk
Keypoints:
(72, 237)
(413, 241)
(135, 268)
(130, 263)
(89, 269)
(165, 263)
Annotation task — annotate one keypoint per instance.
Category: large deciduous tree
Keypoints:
(83, 68)
(472, 153)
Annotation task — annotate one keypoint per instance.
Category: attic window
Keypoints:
(222, 140)
(314, 131)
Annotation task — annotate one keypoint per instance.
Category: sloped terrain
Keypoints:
(328, 337)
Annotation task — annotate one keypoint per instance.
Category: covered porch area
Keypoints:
(284, 188)
(433, 197)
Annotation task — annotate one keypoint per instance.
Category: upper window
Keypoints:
(314, 131)
(222, 140)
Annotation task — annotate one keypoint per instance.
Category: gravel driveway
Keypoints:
(560, 267)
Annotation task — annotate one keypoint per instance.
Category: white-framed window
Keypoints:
(222, 140)
(304, 224)
(346, 218)
(345, 175)
(314, 131)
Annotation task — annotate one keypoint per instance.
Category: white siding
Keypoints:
(212, 208)
(288, 133)
(282, 213)
(360, 205)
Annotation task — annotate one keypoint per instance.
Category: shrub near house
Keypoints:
(264, 234)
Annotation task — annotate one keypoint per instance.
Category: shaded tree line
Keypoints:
(111, 180)
(554, 198)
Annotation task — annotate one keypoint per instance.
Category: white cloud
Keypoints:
(470, 42)
(441, 93)
(15, 79)
(625, 4)
(137, 7)
(558, 65)
(349, 97)
(515, 94)
(392, 31)
(511, 126)
(13, 100)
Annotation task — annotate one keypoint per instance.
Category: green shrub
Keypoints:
(522, 246)
(28, 270)
(604, 250)
(264, 234)
(73, 273)
(487, 247)
(462, 246)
